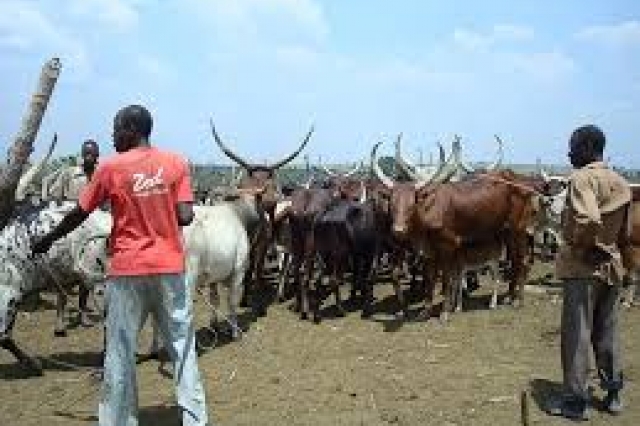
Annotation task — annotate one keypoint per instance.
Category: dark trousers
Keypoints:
(590, 311)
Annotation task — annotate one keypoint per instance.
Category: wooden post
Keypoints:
(22, 146)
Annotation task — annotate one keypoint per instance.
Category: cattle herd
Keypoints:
(439, 224)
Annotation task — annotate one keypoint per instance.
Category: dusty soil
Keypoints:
(345, 371)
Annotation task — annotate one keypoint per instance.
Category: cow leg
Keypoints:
(83, 307)
(447, 294)
(459, 281)
(336, 279)
(631, 283)
(519, 266)
(429, 280)
(495, 278)
(60, 329)
(305, 287)
(235, 292)
(396, 275)
(257, 303)
(214, 302)
(249, 283)
(368, 276)
(30, 363)
(283, 278)
(297, 264)
(316, 294)
(356, 280)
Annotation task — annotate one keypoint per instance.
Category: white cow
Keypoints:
(217, 252)
(217, 249)
(78, 257)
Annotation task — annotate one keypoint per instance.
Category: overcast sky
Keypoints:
(361, 70)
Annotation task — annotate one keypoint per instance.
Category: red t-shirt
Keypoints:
(142, 186)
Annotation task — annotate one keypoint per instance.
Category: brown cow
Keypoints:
(631, 253)
(394, 203)
(469, 222)
(472, 221)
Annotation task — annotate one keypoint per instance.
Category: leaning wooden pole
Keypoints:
(22, 146)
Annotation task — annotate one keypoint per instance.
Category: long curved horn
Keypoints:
(498, 162)
(353, 170)
(405, 165)
(295, 154)
(441, 150)
(463, 165)
(415, 173)
(430, 175)
(386, 181)
(541, 172)
(235, 177)
(233, 156)
(452, 165)
(30, 174)
(329, 173)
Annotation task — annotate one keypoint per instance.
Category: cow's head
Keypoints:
(9, 297)
(260, 175)
(552, 200)
(402, 199)
(346, 186)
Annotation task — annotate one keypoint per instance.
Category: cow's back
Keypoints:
(216, 242)
(474, 208)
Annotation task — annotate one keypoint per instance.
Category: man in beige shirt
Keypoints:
(595, 226)
(67, 187)
(72, 179)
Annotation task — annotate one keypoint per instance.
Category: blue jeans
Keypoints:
(129, 301)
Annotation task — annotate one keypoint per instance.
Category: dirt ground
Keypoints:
(345, 371)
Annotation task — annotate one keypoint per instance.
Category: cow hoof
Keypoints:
(60, 333)
(33, 365)
(84, 321)
(317, 319)
(423, 315)
(516, 303)
(444, 318)
(304, 316)
(366, 313)
(294, 307)
(341, 313)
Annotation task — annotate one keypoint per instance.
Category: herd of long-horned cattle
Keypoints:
(437, 223)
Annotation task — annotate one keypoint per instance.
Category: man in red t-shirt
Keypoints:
(150, 195)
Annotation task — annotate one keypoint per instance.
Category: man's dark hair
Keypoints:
(91, 142)
(590, 136)
(136, 118)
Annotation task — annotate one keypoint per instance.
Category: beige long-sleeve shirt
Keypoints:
(69, 184)
(595, 215)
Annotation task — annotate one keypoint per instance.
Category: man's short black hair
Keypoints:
(590, 136)
(91, 142)
(136, 118)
